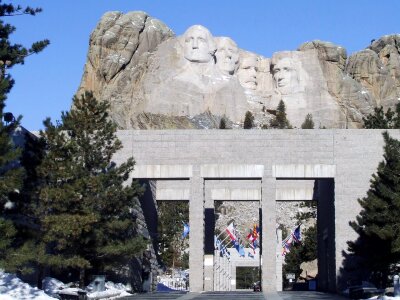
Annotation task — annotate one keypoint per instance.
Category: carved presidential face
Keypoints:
(198, 44)
(247, 72)
(227, 55)
(285, 76)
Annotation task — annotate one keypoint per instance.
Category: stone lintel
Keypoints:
(231, 171)
(236, 194)
(294, 194)
(162, 171)
(172, 194)
(303, 171)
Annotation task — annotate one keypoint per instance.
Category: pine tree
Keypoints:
(280, 120)
(308, 122)
(383, 120)
(171, 216)
(305, 251)
(248, 120)
(222, 123)
(11, 174)
(378, 224)
(86, 212)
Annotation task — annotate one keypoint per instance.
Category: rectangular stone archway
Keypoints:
(180, 154)
(294, 172)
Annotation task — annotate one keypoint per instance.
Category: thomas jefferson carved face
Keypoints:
(198, 44)
(285, 76)
(227, 55)
(247, 73)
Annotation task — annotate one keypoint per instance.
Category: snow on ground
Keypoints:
(12, 288)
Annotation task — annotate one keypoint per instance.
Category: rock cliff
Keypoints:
(155, 79)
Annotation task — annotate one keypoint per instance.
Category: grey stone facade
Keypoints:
(341, 163)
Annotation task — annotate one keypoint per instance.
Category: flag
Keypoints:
(286, 248)
(297, 234)
(186, 230)
(242, 253)
(217, 243)
(231, 231)
(224, 252)
(256, 231)
(253, 246)
(250, 237)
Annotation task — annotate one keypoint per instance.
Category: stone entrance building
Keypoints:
(207, 165)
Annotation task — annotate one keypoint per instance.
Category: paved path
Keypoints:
(236, 296)
(309, 295)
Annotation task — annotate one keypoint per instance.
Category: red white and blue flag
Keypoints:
(231, 231)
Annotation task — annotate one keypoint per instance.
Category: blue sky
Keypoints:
(46, 83)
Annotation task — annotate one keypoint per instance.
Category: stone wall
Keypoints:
(347, 156)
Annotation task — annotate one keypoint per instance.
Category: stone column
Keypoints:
(226, 274)
(279, 260)
(233, 277)
(209, 259)
(196, 235)
(215, 271)
(268, 266)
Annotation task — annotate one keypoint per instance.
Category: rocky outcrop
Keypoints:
(119, 50)
(154, 79)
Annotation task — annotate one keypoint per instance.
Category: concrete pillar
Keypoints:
(227, 283)
(268, 203)
(279, 261)
(233, 277)
(215, 274)
(196, 235)
(230, 276)
(209, 258)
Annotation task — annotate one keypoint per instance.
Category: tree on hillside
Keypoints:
(222, 123)
(308, 122)
(85, 209)
(383, 120)
(248, 120)
(378, 224)
(11, 174)
(280, 120)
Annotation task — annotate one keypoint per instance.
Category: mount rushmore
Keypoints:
(156, 80)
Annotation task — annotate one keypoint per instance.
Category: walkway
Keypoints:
(236, 296)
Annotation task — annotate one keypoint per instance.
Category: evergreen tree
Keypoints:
(308, 122)
(383, 120)
(248, 120)
(280, 120)
(305, 251)
(171, 216)
(11, 174)
(222, 123)
(378, 224)
(85, 210)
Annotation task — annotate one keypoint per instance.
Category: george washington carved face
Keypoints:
(198, 44)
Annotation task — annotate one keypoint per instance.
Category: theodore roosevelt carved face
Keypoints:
(227, 55)
(247, 72)
(198, 44)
